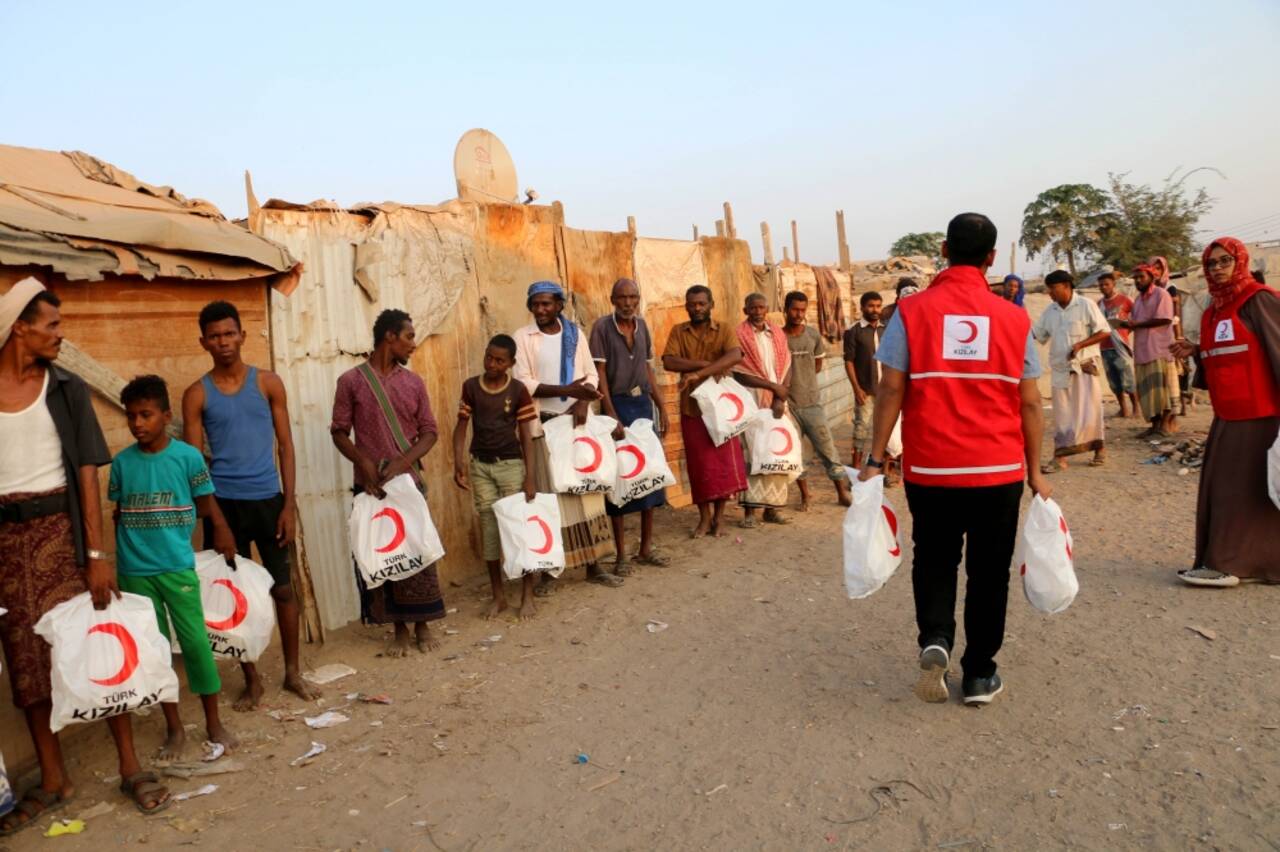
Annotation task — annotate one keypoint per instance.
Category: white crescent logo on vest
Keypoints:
(1225, 332)
(965, 338)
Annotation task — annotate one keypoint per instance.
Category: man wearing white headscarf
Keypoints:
(50, 534)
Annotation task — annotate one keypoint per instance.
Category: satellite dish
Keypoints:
(483, 168)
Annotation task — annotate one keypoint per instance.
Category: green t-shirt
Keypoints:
(156, 495)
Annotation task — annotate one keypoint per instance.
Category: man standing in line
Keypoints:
(51, 538)
(623, 353)
(387, 407)
(553, 361)
(766, 369)
(860, 344)
(807, 353)
(1154, 371)
(699, 349)
(1117, 354)
(244, 414)
(1073, 327)
(960, 365)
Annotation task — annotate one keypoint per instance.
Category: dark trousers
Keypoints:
(942, 520)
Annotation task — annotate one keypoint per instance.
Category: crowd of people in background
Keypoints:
(944, 386)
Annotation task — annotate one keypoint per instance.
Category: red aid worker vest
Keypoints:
(1235, 365)
(962, 413)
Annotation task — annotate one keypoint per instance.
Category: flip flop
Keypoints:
(654, 558)
(34, 805)
(1097, 462)
(622, 568)
(146, 784)
(604, 578)
(775, 518)
(1209, 578)
(1050, 469)
(545, 589)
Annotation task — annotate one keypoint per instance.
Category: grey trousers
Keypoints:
(813, 425)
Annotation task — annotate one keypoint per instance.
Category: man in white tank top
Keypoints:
(51, 535)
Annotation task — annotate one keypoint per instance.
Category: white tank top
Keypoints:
(30, 451)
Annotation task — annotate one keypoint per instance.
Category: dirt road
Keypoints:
(773, 713)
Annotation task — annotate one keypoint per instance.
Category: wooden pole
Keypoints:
(631, 225)
(786, 255)
(842, 244)
(767, 239)
(719, 227)
(1013, 258)
(795, 242)
(730, 231)
(695, 233)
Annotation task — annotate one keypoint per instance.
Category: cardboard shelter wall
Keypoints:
(130, 326)
(323, 328)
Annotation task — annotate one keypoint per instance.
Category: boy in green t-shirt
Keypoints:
(159, 486)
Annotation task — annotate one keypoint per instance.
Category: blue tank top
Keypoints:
(242, 438)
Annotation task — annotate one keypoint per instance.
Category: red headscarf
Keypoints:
(1223, 294)
(1160, 269)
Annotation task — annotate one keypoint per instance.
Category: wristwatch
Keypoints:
(101, 555)
(875, 462)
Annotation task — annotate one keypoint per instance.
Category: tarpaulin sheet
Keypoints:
(666, 268)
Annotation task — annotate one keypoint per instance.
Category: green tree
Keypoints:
(1066, 221)
(924, 244)
(1146, 221)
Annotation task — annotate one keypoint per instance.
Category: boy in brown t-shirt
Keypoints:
(501, 413)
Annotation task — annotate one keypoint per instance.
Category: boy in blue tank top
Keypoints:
(243, 413)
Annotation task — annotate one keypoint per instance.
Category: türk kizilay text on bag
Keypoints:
(393, 538)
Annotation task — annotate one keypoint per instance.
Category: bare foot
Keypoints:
(527, 610)
(701, 530)
(804, 505)
(218, 734)
(400, 645)
(173, 745)
(425, 640)
(294, 683)
(495, 609)
(716, 532)
(251, 697)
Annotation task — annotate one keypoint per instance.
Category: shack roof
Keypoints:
(84, 218)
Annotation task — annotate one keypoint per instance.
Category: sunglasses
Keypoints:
(1224, 261)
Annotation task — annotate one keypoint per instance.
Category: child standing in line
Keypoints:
(159, 486)
(501, 414)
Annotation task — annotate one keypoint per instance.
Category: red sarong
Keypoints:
(715, 473)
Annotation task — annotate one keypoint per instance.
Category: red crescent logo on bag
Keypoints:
(597, 455)
(546, 531)
(398, 538)
(237, 615)
(127, 645)
(737, 404)
(784, 433)
(639, 457)
(896, 550)
(1062, 525)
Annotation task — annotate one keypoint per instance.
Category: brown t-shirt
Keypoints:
(699, 343)
(495, 416)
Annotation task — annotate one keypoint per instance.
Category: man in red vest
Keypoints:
(960, 365)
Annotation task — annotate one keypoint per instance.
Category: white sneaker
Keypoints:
(932, 684)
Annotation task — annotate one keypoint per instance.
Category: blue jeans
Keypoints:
(1119, 371)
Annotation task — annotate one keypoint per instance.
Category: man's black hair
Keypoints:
(699, 288)
(1259, 276)
(504, 342)
(793, 296)
(32, 310)
(217, 312)
(147, 387)
(390, 321)
(869, 296)
(1060, 276)
(970, 238)
(905, 282)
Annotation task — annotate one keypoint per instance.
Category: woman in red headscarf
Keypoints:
(1237, 524)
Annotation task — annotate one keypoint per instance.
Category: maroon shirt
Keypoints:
(355, 407)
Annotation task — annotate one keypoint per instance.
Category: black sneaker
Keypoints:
(932, 684)
(981, 690)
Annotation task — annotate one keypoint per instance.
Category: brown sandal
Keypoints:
(35, 804)
(146, 785)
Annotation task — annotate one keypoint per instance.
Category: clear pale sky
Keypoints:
(900, 113)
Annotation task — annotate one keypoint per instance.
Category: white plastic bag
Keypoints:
(642, 464)
(1048, 565)
(1273, 472)
(583, 458)
(393, 538)
(530, 535)
(239, 614)
(872, 547)
(774, 445)
(726, 408)
(106, 662)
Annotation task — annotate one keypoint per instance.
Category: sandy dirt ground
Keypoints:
(772, 712)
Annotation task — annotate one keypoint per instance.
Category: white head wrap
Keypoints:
(13, 303)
